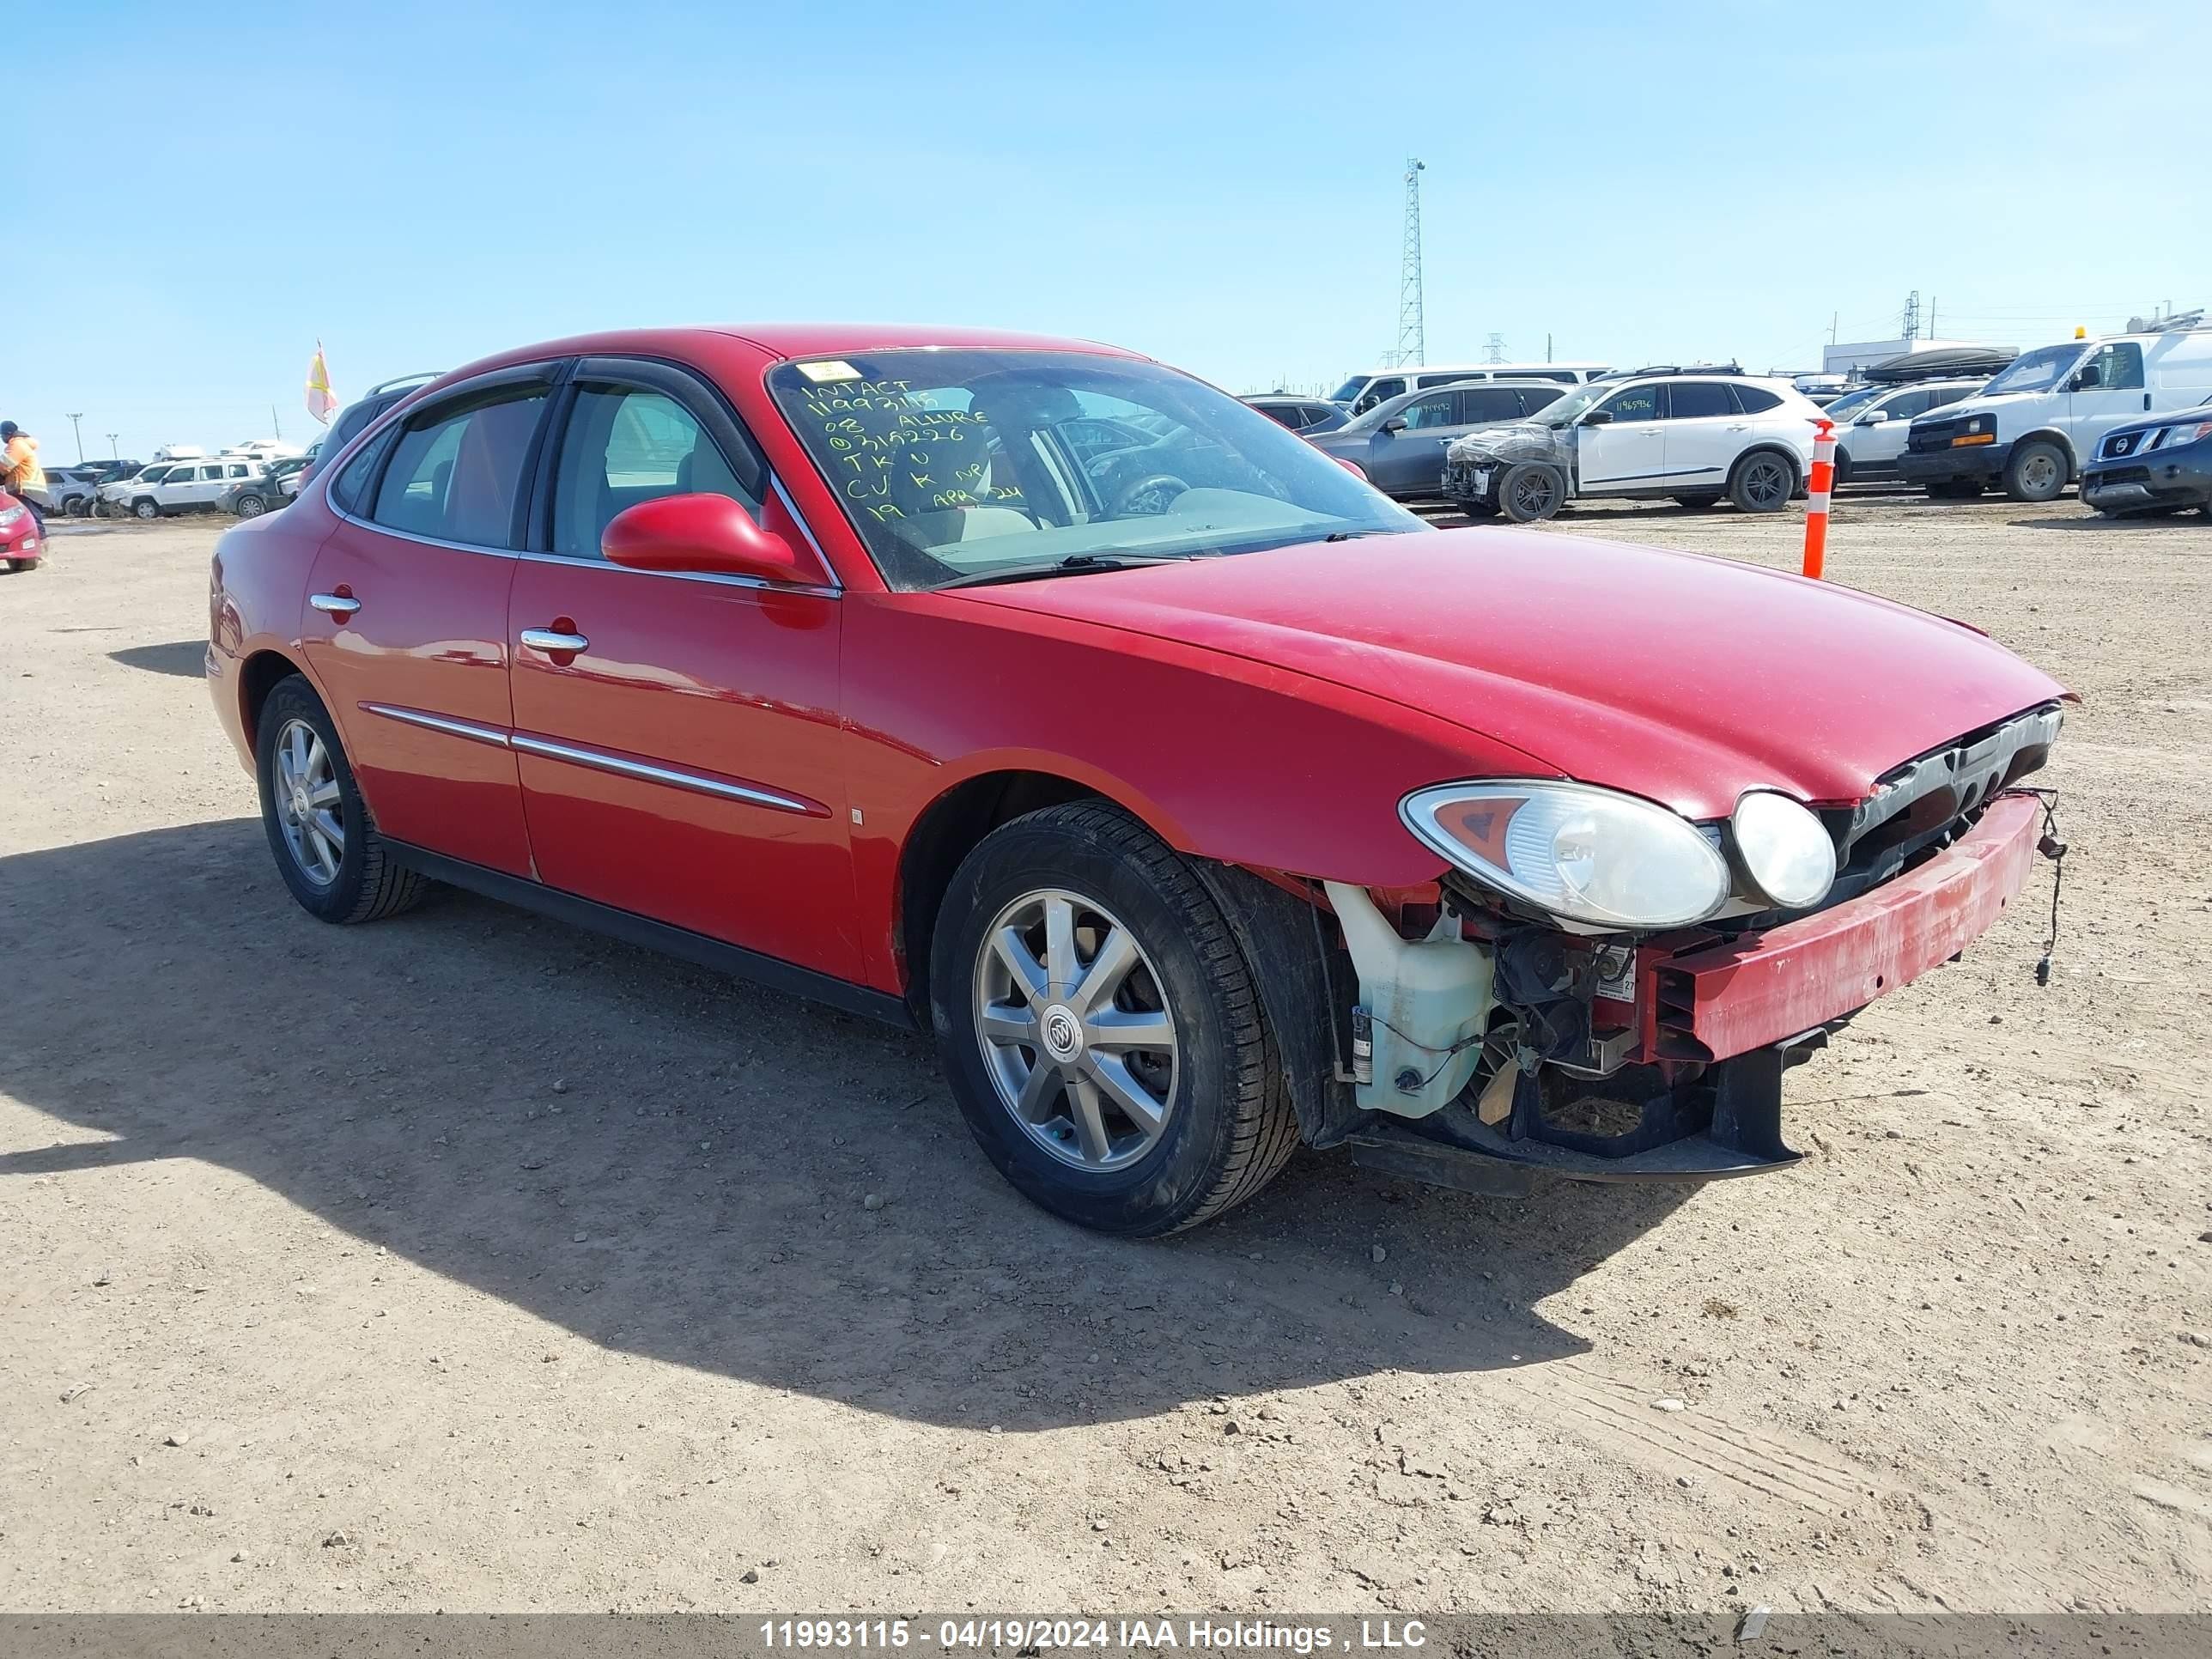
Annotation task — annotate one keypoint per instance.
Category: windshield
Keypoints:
(956, 464)
(1350, 389)
(1853, 403)
(2036, 370)
(1570, 408)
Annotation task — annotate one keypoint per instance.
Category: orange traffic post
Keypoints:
(1817, 489)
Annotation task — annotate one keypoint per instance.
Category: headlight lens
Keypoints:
(10, 516)
(2188, 433)
(1785, 850)
(1574, 850)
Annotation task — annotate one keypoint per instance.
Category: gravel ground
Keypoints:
(468, 1262)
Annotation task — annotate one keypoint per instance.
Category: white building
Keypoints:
(1864, 354)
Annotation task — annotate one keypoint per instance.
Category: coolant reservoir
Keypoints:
(1425, 997)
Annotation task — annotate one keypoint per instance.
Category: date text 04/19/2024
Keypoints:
(860, 1635)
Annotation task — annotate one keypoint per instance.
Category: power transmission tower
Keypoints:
(1910, 328)
(1497, 349)
(1413, 330)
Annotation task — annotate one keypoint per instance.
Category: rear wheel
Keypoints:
(1531, 491)
(326, 845)
(2035, 472)
(1763, 482)
(1100, 1027)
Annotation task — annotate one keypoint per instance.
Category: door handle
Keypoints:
(1739, 429)
(340, 605)
(553, 642)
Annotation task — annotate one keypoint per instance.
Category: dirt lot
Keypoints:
(468, 1262)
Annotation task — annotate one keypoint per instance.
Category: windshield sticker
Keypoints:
(836, 368)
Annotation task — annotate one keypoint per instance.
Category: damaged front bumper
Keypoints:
(1692, 1090)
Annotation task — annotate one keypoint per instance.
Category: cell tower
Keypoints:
(1496, 348)
(1910, 330)
(1413, 330)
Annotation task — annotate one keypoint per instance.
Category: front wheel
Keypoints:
(252, 506)
(2035, 472)
(327, 847)
(146, 508)
(1100, 1027)
(1530, 491)
(1762, 483)
(21, 565)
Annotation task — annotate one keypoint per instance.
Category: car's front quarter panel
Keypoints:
(1224, 758)
(257, 590)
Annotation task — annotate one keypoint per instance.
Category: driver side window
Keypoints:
(1430, 411)
(624, 445)
(1638, 403)
(2118, 366)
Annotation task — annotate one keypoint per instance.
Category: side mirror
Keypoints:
(1396, 423)
(710, 535)
(1873, 417)
(1598, 417)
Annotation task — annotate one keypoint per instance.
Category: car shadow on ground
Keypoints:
(186, 658)
(2147, 523)
(672, 1163)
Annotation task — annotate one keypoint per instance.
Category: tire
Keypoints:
(1224, 1125)
(1957, 489)
(1531, 491)
(2035, 472)
(251, 506)
(362, 883)
(146, 508)
(1762, 482)
(77, 507)
(21, 567)
(1702, 498)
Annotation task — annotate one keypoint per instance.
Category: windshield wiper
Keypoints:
(1074, 564)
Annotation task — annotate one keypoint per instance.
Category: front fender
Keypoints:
(1224, 758)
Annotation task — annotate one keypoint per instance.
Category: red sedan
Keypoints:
(21, 546)
(1197, 799)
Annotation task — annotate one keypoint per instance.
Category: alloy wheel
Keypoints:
(309, 806)
(1766, 482)
(1534, 494)
(1077, 1036)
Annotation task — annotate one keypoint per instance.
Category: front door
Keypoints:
(406, 629)
(677, 734)
(1409, 460)
(2107, 391)
(1626, 452)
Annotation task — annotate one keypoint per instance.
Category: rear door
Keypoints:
(1702, 432)
(407, 628)
(679, 752)
(1626, 452)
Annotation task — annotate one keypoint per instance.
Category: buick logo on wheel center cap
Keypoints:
(1063, 1034)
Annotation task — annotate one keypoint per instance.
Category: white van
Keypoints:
(1364, 391)
(2031, 428)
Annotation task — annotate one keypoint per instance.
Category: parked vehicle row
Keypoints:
(1482, 864)
(2033, 428)
(1364, 391)
(1400, 443)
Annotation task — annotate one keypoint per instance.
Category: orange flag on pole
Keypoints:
(322, 403)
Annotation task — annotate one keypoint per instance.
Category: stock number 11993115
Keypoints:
(839, 1635)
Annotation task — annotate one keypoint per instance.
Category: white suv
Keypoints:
(1872, 421)
(1695, 437)
(177, 486)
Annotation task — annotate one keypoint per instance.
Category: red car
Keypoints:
(21, 546)
(1200, 801)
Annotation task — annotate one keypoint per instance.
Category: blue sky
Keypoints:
(1218, 185)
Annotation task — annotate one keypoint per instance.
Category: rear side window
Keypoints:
(456, 471)
(1534, 397)
(1949, 394)
(1491, 403)
(1697, 400)
(1753, 399)
(1427, 380)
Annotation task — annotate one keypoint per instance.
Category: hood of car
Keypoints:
(1512, 441)
(1682, 678)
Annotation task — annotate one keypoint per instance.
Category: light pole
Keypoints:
(79, 430)
(113, 453)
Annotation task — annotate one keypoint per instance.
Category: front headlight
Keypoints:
(11, 516)
(1573, 850)
(1785, 850)
(2188, 433)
